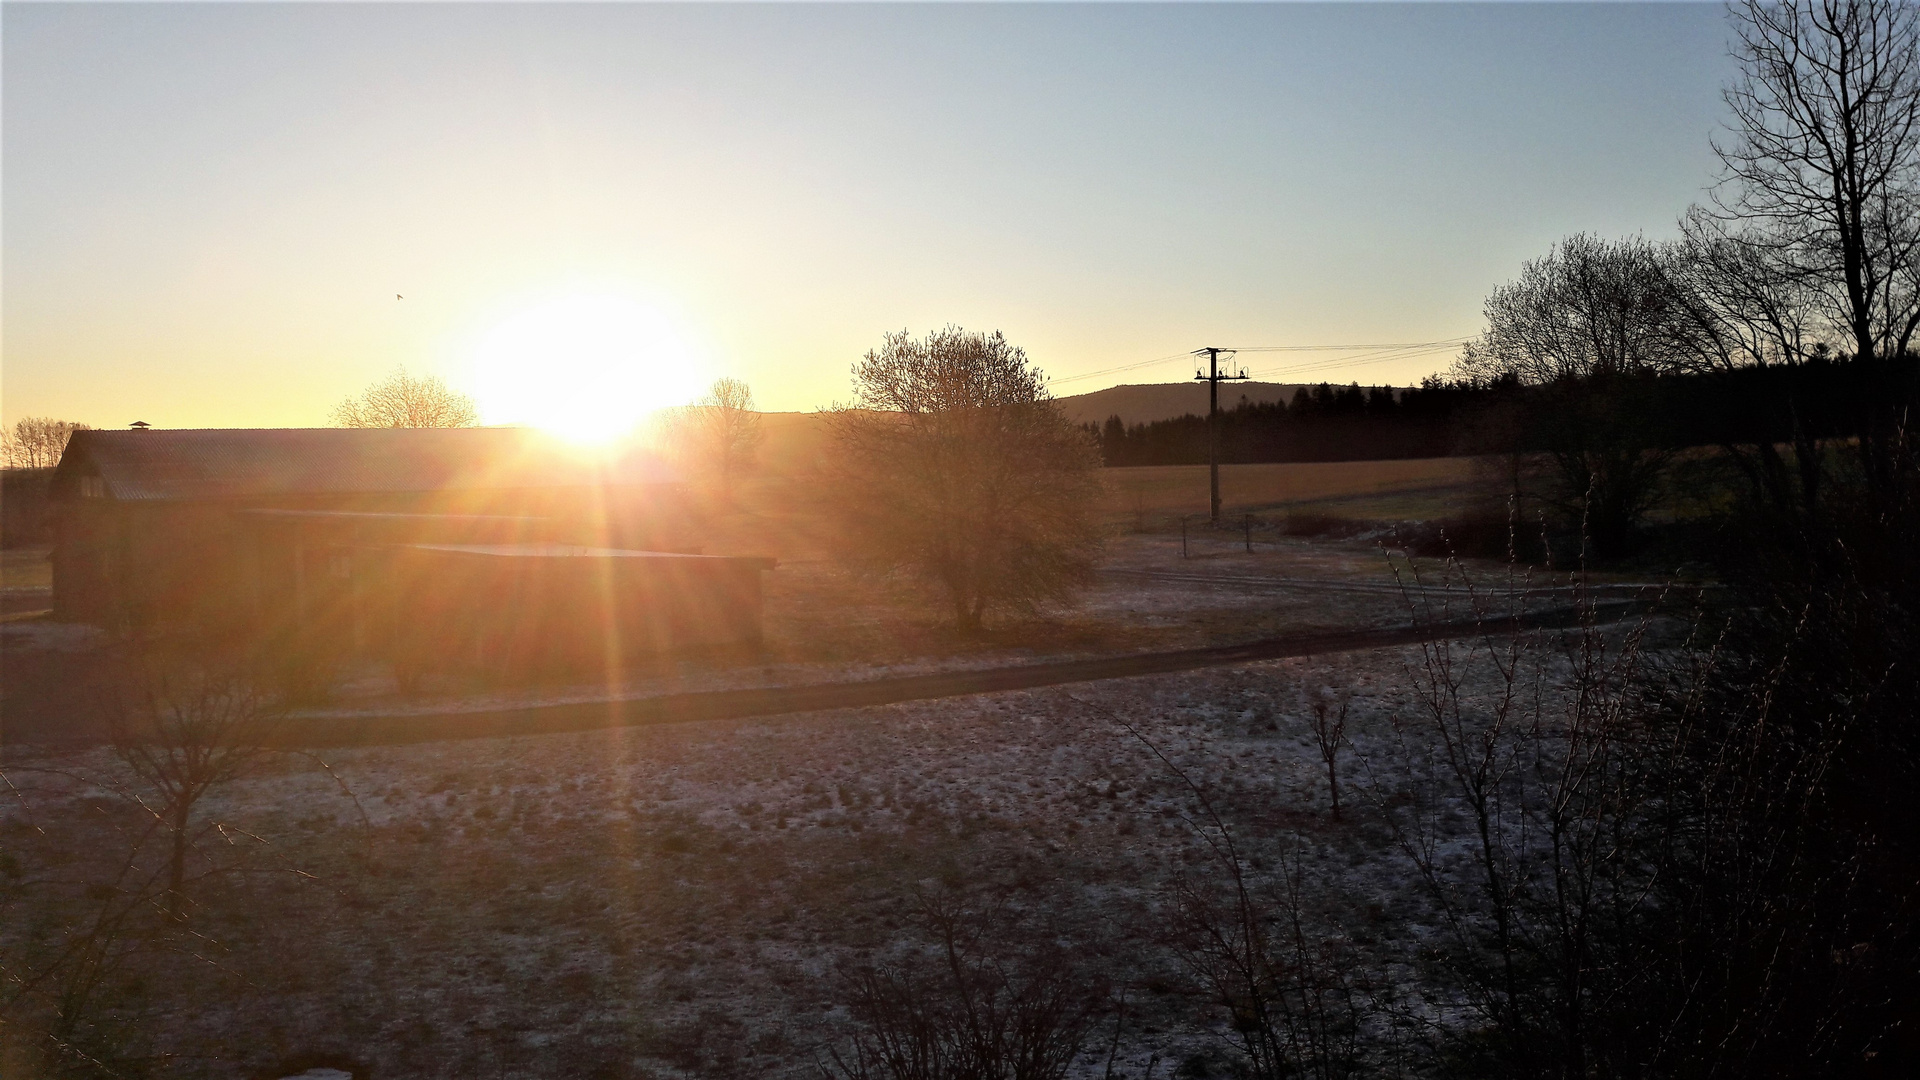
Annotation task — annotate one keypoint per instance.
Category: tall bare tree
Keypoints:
(36, 442)
(1813, 240)
(728, 431)
(954, 463)
(1583, 326)
(404, 401)
(1742, 305)
(1812, 243)
(1824, 157)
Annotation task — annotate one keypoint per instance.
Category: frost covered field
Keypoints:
(681, 901)
(699, 899)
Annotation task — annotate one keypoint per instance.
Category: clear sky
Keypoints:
(209, 210)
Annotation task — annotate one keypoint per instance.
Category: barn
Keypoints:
(501, 548)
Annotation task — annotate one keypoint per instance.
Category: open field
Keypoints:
(826, 624)
(1148, 496)
(1410, 489)
(26, 568)
(690, 901)
(776, 513)
(697, 899)
(26, 582)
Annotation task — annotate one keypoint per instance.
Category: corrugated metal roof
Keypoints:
(215, 463)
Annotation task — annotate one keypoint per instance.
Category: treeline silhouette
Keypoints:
(1445, 417)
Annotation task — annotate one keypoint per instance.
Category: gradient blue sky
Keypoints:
(208, 210)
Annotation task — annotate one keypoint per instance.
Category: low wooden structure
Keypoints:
(497, 547)
(548, 606)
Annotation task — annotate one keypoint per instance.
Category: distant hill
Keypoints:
(1143, 404)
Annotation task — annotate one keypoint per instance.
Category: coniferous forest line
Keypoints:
(1444, 416)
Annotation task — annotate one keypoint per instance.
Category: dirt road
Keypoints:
(777, 700)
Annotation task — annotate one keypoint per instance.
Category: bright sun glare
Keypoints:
(586, 367)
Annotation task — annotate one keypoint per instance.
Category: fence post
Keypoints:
(1247, 524)
(1183, 536)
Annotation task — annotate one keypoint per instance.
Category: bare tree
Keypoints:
(728, 431)
(1824, 159)
(184, 730)
(1328, 720)
(1582, 328)
(955, 464)
(36, 442)
(1588, 308)
(1811, 246)
(404, 401)
(1744, 306)
(94, 896)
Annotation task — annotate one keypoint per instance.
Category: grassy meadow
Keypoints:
(774, 510)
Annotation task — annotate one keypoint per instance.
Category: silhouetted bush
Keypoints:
(1475, 535)
(983, 1002)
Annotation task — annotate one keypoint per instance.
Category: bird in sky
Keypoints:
(397, 296)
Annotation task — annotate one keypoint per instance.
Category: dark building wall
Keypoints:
(319, 579)
(125, 566)
(155, 564)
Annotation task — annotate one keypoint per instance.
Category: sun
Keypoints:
(588, 367)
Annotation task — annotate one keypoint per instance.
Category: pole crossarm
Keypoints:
(1214, 379)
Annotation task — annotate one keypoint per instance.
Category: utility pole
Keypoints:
(1214, 379)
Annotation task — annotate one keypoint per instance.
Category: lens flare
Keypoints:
(589, 368)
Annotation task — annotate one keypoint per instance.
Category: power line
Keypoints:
(1296, 372)
(1397, 350)
(1448, 342)
(1350, 362)
(1123, 367)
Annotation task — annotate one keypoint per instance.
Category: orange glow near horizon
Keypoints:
(588, 367)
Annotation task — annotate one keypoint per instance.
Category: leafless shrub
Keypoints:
(1289, 984)
(1789, 895)
(1328, 721)
(966, 1010)
(97, 891)
(1289, 981)
(75, 922)
(1310, 523)
(183, 730)
(1527, 795)
(91, 927)
(1482, 532)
